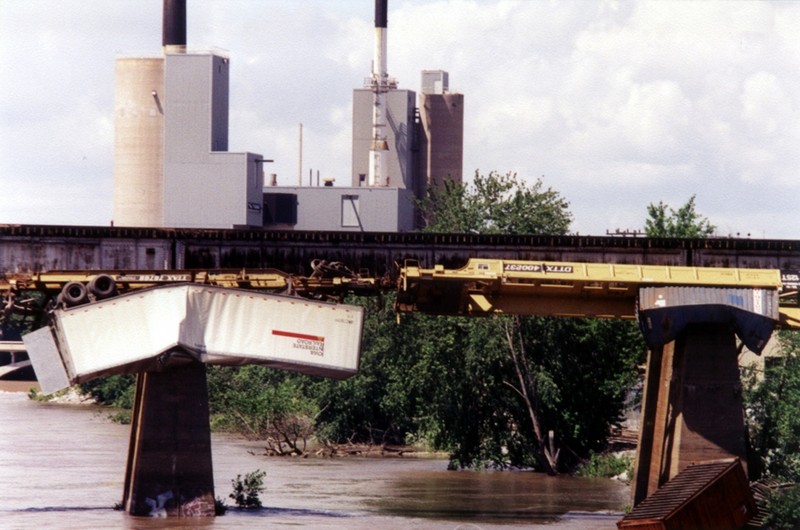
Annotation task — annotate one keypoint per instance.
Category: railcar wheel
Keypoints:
(74, 293)
(103, 286)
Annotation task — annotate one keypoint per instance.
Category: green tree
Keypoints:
(496, 204)
(772, 401)
(684, 222)
(378, 404)
(515, 380)
(783, 509)
(262, 403)
(772, 416)
(576, 373)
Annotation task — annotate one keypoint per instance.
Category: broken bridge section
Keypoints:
(162, 327)
(166, 334)
(690, 317)
(692, 409)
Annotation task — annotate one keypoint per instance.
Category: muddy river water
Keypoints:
(62, 466)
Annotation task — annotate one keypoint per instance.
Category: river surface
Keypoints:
(62, 466)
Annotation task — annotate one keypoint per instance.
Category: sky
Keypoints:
(615, 105)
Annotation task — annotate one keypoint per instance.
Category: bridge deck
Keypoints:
(35, 248)
(10, 369)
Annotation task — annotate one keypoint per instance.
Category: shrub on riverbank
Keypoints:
(607, 465)
(115, 390)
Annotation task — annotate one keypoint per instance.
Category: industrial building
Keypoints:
(400, 136)
(423, 148)
(172, 167)
(424, 144)
(399, 150)
(362, 209)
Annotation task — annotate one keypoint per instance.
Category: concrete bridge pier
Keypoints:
(692, 409)
(169, 471)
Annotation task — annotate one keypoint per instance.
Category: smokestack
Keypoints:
(173, 35)
(380, 84)
(380, 13)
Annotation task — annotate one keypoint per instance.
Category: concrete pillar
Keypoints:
(692, 409)
(169, 471)
(642, 486)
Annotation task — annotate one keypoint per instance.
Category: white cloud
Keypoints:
(763, 104)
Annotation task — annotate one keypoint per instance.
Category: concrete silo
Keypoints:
(139, 141)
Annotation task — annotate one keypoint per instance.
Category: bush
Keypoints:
(123, 417)
(246, 490)
(219, 507)
(606, 466)
(261, 403)
(115, 390)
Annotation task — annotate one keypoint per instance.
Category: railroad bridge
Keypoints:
(31, 248)
(694, 299)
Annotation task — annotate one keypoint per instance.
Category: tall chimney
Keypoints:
(173, 34)
(380, 13)
(380, 84)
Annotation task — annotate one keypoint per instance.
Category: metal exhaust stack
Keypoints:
(173, 35)
(380, 83)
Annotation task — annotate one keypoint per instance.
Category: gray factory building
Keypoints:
(425, 147)
(171, 164)
(204, 184)
(398, 152)
(401, 136)
(346, 209)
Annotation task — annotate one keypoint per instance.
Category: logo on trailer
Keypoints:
(790, 279)
(536, 267)
(155, 278)
(313, 344)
